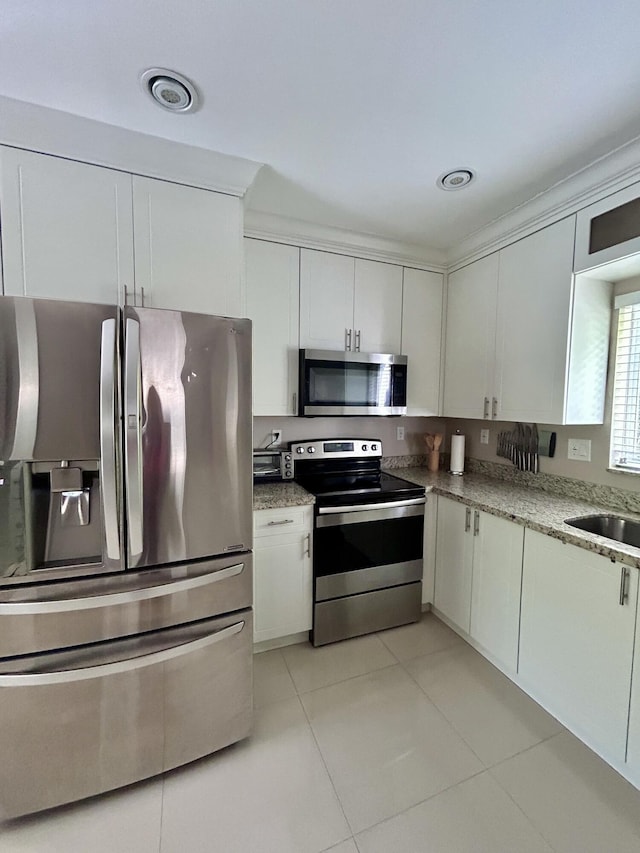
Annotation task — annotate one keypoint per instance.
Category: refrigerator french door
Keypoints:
(125, 544)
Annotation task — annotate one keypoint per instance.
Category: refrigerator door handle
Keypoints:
(108, 667)
(108, 486)
(26, 426)
(133, 437)
(116, 599)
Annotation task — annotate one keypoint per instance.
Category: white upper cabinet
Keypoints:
(422, 296)
(66, 228)
(532, 337)
(188, 248)
(377, 308)
(326, 300)
(609, 230)
(272, 283)
(545, 358)
(349, 303)
(470, 339)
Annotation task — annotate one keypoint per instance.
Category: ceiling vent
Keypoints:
(170, 89)
(455, 179)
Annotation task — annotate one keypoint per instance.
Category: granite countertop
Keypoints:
(280, 494)
(533, 508)
(523, 504)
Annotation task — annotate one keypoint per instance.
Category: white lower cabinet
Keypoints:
(633, 742)
(454, 562)
(576, 640)
(496, 587)
(282, 595)
(429, 548)
(478, 577)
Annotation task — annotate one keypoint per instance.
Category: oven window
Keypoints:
(349, 547)
(348, 384)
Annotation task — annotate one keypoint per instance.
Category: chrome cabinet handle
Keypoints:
(358, 334)
(142, 296)
(126, 294)
(485, 412)
(307, 550)
(476, 523)
(467, 520)
(494, 408)
(347, 339)
(108, 488)
(133, 437)
(276, 523)
(624, 594)
(295, 401)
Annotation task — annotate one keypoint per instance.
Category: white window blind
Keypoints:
(625, 421)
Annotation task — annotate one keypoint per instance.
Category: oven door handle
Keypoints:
(334, 510)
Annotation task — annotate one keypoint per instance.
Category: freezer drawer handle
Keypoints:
(103, 670)
(108, 439)
(118, 598)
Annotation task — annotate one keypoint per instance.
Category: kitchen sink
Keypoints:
(612, 526)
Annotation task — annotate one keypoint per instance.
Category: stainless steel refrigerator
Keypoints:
(125, 545)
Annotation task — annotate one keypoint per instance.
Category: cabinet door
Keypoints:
(66, 228)
(576, 641)
(633, 744)
(326, 299)
(282, 586)
(422, 339)
(188, 248)
(534, 304)
(429, 548)
(272, 286)
(470, 338)
(454, 561)
(377, 311)
(496, 587)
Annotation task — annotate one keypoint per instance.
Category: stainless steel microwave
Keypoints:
(351, 383)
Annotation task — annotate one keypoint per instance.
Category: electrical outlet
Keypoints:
(276, 435)
(400, 433)
(580, 449)
(484, 436)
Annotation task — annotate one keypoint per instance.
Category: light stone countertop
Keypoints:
(533, 508)
(282, 494)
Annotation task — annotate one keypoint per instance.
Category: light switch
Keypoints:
(484, 436)
(400, 433)
(580, 449)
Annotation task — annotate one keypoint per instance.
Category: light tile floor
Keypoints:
(403, 741)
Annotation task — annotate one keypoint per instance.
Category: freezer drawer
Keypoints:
(77, 723)
(41, 617)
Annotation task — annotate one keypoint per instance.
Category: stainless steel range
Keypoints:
(368, 539)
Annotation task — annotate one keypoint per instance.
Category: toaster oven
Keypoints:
(271, 465)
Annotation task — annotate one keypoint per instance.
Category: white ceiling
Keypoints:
(356, 106)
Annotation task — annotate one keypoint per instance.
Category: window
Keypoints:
(625, 417)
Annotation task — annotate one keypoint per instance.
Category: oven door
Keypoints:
(368, 567)
(352, 383)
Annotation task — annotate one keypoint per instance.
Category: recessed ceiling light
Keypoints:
(170, 90)
(455, 179)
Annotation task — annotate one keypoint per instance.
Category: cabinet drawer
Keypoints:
(271, 522)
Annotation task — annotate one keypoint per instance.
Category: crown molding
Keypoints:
(608, 174)
(49, 131)
(309, 235)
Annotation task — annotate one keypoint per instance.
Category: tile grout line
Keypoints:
(322, 759)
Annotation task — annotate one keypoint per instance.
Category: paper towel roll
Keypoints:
(457, 454)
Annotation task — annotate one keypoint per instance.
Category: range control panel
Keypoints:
(336, 448)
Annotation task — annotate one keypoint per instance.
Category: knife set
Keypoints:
(524, 444)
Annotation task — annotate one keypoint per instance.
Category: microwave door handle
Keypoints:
(133, 437)
(108, 488)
